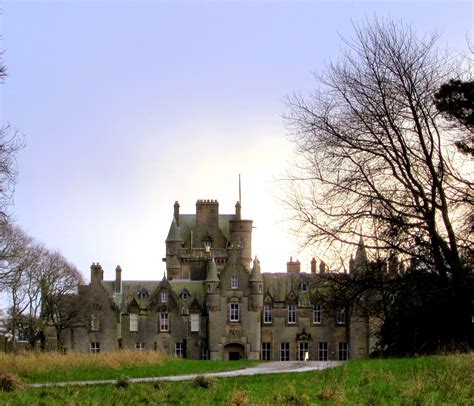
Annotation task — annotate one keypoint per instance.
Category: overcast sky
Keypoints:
(126, 107)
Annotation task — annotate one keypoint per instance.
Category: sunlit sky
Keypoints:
(126, 107)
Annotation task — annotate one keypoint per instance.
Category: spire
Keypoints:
(361, 255)
(174, 234)
(212, 271)
(256, 275)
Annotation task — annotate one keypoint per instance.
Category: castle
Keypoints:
(215, 303)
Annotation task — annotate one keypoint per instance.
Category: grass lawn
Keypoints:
(53, 367)
(432, 380)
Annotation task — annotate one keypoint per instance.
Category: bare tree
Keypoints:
(59, 282)
(376, 161)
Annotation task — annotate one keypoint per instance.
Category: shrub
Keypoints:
(202, 381)
(9, 383)
(123, 382)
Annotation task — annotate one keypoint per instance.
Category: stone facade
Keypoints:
(215, 303)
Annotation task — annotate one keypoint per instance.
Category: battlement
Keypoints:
(207, 201)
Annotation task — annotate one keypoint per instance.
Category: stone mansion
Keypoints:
(215, 303)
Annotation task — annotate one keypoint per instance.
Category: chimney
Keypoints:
(118, 279)
(97, 274)
(322, 267)
(313, 265)
(293, 266)
(176, 212)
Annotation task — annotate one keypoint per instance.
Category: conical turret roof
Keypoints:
(174, 233)
(256, 275)
(212, 271)
(361, 255)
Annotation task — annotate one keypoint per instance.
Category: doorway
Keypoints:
(234, 352)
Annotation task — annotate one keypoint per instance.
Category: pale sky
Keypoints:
(126, 107)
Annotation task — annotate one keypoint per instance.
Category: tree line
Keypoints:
(385, 147)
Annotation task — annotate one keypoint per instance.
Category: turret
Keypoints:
(256, 286)
(212, 284)
(97, 274)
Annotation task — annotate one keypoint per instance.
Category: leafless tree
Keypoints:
(377, 161)
(59, 282)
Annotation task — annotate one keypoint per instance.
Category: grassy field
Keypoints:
(418, 381)
(53, 367)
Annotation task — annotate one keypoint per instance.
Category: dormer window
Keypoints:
(207, 243)
(234, 282)
(143, 294)
(185, 294)
(164, 296)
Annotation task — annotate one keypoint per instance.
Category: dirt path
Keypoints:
(266, 368)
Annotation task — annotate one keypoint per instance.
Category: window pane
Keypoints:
(194, 322)
(133, 322)
(291, 314)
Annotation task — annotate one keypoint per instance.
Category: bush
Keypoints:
(9, 383)
(123, 382)
(202, 381)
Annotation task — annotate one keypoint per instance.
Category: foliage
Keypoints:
(423, 380)
(455, 99)
(377, 163)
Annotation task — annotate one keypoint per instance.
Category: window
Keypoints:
(267, 314)
(234, 312)
(185, 294)
(343, 351)
(184, 311)
(341, 317)
(208, 288)
(140, 346)
(291, 314)
(323, 351)
(284, 351)
(303, 351)
(143, 294)
(317, 314)
(304, 286)
(241, 242)
(179, 349)
(133, 321)
(194, 322)
(164, 322)
(95, 322)
(266, 354)
(234, 282)
(164, 296)
(95, 347)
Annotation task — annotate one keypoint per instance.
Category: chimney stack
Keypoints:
(176, 212)
(293, 266)
(118, 279)
(313, 265)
